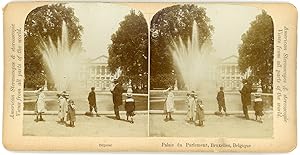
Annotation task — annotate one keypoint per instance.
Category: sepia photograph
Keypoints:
(211, 72)
(86, 71)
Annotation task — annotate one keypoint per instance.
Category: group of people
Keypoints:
(246, 101)
(117, 91)
(67, 107)
(195, 107)
(195, 113)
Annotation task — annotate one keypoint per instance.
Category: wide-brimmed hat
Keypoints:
(129, 94)
(257, 94)
(116, 81)
(244, 81)
(64, 94)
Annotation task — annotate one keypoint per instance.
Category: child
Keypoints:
(63, 107)
(221, 101)
(169, 104)
(199, 112)
(130, 107)
(190, 100)
(40, 104)
(71, 113)
(258, 106)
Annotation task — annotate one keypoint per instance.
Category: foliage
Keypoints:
(129, 49)
(40, 24)
(256, 51)
(168, 25)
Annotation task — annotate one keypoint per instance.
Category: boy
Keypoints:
(221, 101)
(92, 101)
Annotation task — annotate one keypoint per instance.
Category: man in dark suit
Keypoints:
(92, 101)
(117, 97)
(246, 97)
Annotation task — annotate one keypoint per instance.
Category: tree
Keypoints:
(167, 25)
(40, 24)
(257, 51)
(129, 50)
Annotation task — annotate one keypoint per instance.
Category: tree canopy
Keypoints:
(167, 25)
(40, 24)
(257, 51)
(129, 50)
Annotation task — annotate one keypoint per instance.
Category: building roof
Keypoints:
(100, 59)
(233, 59)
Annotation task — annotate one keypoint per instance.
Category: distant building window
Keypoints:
(107, 71)
(92, 69)
(102, 70)
(98, 70)
(228, 69)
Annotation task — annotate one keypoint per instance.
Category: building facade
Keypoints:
(95, 73)
(229, 75)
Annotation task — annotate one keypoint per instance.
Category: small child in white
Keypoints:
(258, 106)
(130, 107)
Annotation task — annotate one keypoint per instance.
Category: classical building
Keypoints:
(95, 73)
(228, 74)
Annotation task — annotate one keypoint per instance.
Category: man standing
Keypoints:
(117, 97)
(92, 101)
(246, 97)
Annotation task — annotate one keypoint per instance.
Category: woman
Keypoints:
(169, 104)
(40, 104)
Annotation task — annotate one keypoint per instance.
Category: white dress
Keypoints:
(63, 108)
(40, 103)
(169, 103)
(191, 108)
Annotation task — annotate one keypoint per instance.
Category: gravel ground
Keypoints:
(104, 126)
(232, 126)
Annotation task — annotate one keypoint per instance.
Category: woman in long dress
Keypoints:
(169, 104)
(40, 104)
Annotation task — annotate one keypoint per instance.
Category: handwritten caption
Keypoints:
(16, 75)
(281, 67)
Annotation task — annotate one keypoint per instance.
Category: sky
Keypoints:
(101, 20)
(230, 22)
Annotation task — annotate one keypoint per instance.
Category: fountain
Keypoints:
(63, 61)
(194, 62)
